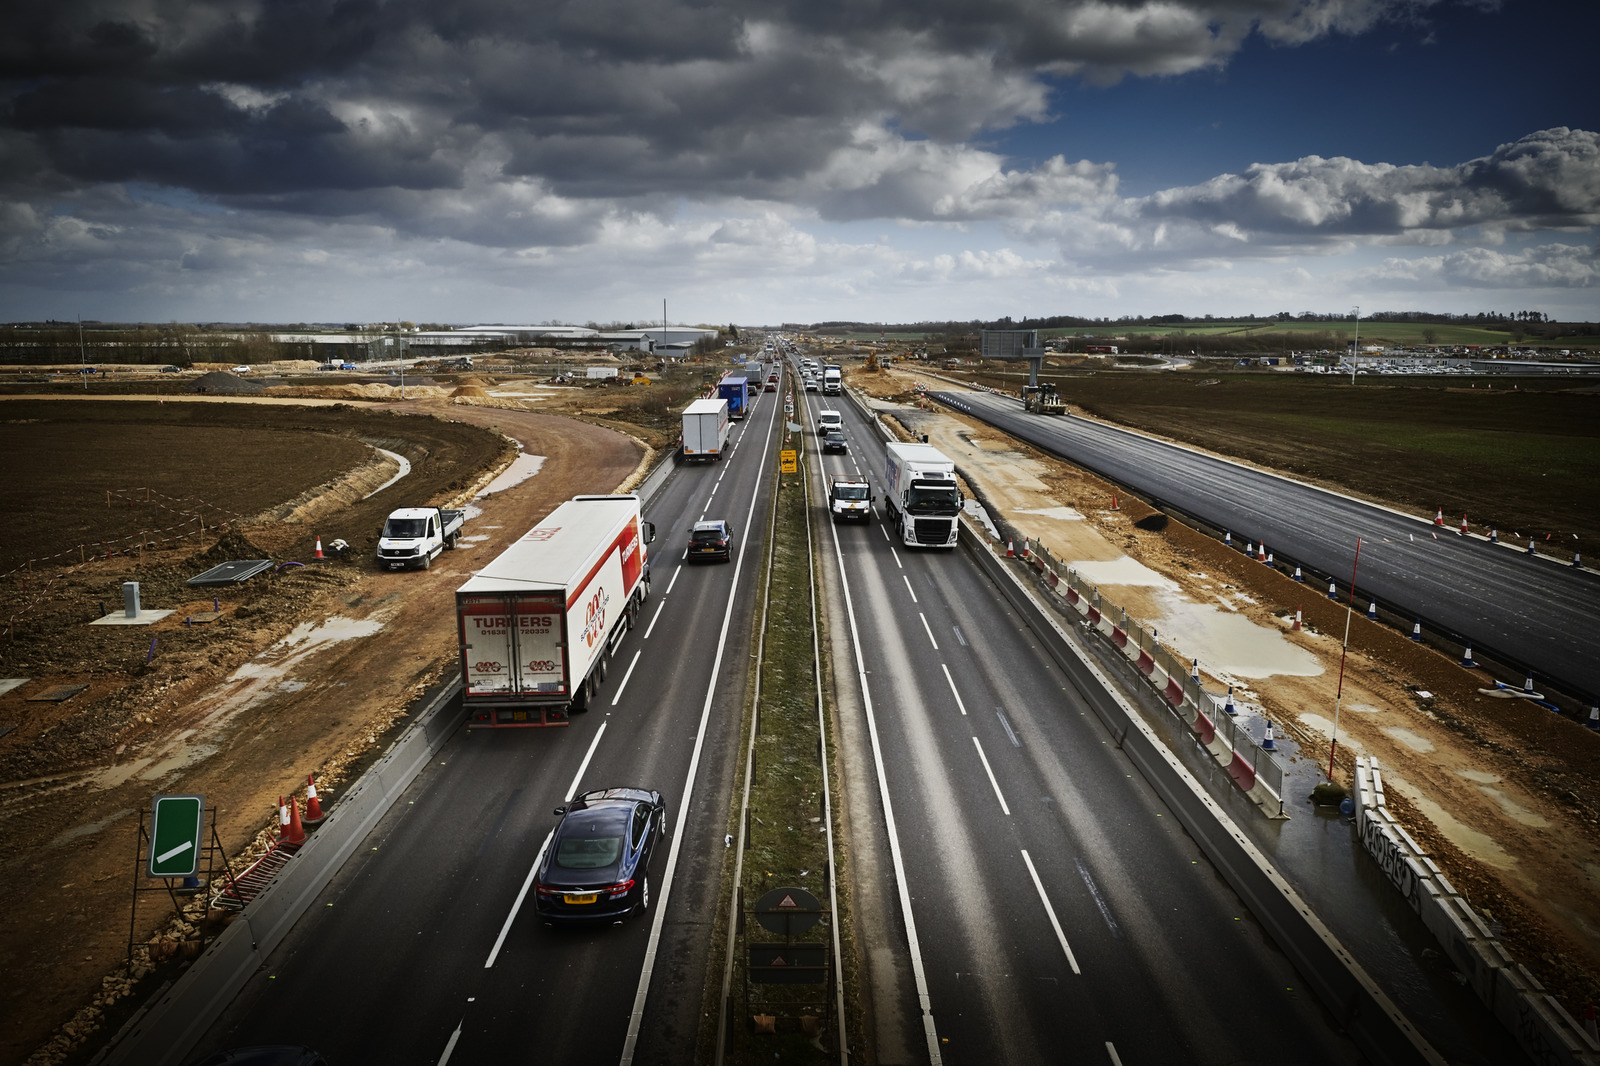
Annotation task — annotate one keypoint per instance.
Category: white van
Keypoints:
(827, 420)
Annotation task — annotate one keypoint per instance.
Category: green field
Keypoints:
(1522, 457)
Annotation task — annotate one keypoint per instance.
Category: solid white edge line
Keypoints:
(624, 683)
(642, 992)
(450, 1045)
(1054, 923)
(1111, 1050)
(527, 882)
(1004, 809)
(928, 630)
(652, 627)
(930, 1029)
(909, 589)
(953, 691)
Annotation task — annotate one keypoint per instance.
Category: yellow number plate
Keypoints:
(588, 897)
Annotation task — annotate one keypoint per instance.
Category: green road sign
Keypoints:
(176, 823)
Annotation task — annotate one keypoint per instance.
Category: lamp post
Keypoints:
(1355, 354)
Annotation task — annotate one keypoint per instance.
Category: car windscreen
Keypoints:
(405, 528)
(588, 853)
(851, 492)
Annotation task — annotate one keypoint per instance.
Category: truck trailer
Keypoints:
(539, 624)
(922, 498)
(705, 431)
(735, 388)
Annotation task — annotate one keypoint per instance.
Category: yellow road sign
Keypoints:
(787, 463)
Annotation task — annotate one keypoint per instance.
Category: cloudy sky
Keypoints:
(894, 160)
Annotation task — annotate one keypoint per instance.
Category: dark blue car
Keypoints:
(596, 868)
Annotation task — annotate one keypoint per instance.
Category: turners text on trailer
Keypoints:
(539, 624)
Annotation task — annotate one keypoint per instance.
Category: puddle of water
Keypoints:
(521, 469)
(90, 827)
(1482, 777)
(1512, 809)
(307, 637)
(475, 539)
(1229, 644)
(1065, 514)
(1325, 726)
(405, 468)
(1478, 845)
(1121, 571)
(1409, 739)
(1363, 708)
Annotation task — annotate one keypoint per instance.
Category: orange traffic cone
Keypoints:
(1011, 549)
(1463, 530)
(291, 831)
(319, 554)
(1297, 625)
(1438, 519)
(314, 813)
(1115, 506)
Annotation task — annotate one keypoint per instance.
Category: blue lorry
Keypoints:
(736, 390)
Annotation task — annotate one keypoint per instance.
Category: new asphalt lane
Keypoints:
(1527, 612)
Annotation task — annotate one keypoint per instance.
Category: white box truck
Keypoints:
(539, 624)
(922, 498)
(706, 426)
(832, 380)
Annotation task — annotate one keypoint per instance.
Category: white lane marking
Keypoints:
(909, 589)
(961, 640)
(675, 574)
(625, 677)
(714, 489)
(953, 691)
(992, 782)
(527, 882)
(928, 631)
(930, 1030)
(651, 628)
(450, 1045)
(1099, 900)
(896, 555)
(642, 992)
(1116, 1060)
(1054, 922)
(883, 529)
(1005, 724)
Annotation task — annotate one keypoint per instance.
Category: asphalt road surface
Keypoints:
(1058, 912)
(1527, 612)
(424, 948)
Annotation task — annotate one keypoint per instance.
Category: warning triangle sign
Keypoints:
(788, 901)
(778, 960)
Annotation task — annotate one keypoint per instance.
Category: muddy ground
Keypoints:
(241, 707)
(1500, 792)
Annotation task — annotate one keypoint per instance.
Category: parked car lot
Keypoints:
(597, 865)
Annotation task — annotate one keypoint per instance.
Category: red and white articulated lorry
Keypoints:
(538, 625)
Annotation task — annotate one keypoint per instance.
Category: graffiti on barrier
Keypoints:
(1391, 858)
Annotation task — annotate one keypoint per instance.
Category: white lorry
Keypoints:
(539, 624)
(832, 380)
(413, 536)
(922, 499)
(706, 426)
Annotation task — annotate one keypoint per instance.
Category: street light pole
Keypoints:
(1355, 354)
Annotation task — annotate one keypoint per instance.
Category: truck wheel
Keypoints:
(580, 700)
(450, 542)
(600, 674)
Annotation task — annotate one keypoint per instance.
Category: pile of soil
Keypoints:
(222, 383)
(469, 390)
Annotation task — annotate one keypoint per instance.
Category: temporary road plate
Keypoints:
(175, 834)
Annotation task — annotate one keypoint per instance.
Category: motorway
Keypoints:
(1054, 909)
(425, 949)
(1526, 612)
(1012, 871)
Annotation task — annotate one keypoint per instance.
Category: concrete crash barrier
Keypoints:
(1166, 676)
(1345, 989)
(1540, 1025)
(165, 1031)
